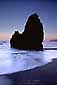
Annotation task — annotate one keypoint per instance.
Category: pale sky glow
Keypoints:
(4, 36)
(50, 36)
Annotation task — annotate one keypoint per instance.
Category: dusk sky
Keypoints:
(14, 13)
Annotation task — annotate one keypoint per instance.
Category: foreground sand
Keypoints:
(44, 75)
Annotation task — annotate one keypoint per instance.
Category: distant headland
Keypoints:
(54, 40)
(31, 38)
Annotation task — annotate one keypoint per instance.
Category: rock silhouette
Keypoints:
(32, 37)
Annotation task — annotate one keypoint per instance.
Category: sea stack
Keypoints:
(32, 37)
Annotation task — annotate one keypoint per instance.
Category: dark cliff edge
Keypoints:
(31, 38)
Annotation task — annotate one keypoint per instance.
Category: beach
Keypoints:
(27, 67)
(43, 75)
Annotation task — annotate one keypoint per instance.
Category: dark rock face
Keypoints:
(31, 38)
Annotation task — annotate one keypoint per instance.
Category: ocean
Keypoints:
(13, 60)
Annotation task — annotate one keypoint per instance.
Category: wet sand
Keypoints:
(43, 75)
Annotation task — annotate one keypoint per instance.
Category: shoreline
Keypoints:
(43, 75)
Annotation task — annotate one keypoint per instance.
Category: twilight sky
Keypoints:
(14, 13)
